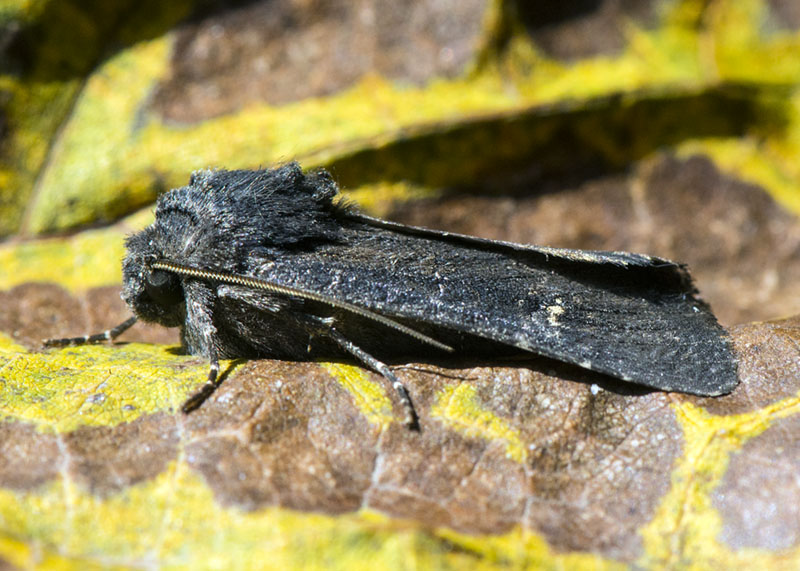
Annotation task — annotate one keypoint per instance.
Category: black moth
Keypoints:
(265, 264)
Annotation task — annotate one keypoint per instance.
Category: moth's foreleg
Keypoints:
(411, 419)
(108, 335)
(211, 384)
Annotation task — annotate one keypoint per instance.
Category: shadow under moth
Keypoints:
(267, 264)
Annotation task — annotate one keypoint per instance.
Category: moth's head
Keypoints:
(153, 295)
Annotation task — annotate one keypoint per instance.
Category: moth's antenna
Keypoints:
(258, 283)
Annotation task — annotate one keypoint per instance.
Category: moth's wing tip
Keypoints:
(710, 383)
(718, 390)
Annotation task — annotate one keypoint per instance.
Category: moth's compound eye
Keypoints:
(164, 287)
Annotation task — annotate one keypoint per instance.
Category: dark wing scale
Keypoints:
(629, 316)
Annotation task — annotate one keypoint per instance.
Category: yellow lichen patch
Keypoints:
(85, 180)
(82, 172)
(16, 552)
(368, 395)
(378, 199)
(370, 114)
(522, 549)
(751, 162)
(458, 407)
(654, 57)
(685, 529)
(63, 389)
(744, 50)
(91, 258)
(37, 108)
(769, 162)
(8, 346)
(24, 556)
(174, 522)
(86, 260)
(17, 8)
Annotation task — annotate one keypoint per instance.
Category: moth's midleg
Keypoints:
(411, 419)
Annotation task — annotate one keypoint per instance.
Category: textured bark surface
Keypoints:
(284, 51)
(576, 458)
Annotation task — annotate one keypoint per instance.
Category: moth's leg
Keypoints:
(212, 383)
(108, 335)
(411, 419)
(315, 325)
(199, 335)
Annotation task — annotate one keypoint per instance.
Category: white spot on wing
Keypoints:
(553, 313)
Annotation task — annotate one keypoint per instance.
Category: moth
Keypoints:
(268, 263)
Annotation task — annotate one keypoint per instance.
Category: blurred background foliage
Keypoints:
(105, 104)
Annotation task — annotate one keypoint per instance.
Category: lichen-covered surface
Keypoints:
(670, 127)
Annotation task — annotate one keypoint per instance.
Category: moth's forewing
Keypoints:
(629, 316)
